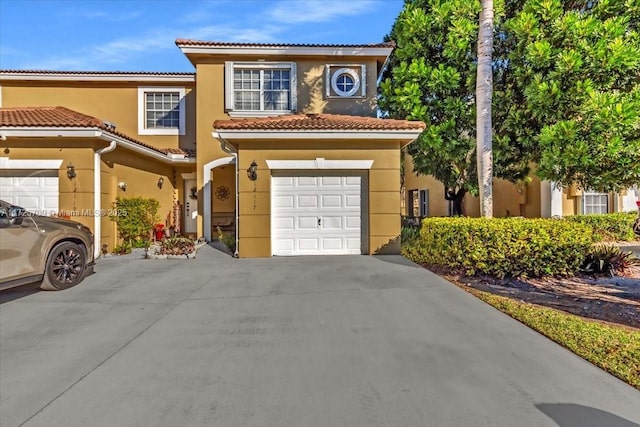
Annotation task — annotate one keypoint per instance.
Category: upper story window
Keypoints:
(260, 88)
(345, 81)
(161, 111)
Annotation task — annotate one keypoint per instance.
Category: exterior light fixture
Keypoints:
(122, 185)
(160, 182)
(71, 171)
(252, 171)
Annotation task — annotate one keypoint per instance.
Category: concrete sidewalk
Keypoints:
(311, 341)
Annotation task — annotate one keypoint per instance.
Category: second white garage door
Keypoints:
(316, 214)
(36, 191)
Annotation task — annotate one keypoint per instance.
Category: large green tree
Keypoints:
(575, 70)
(566, 76)
(432, 77)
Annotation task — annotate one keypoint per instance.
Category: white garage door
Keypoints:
(36, 191)
(316, 215)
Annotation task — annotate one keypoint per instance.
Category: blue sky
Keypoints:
(129, 35)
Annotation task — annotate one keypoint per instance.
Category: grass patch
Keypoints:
(614, 349)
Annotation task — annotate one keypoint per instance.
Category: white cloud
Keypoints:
(120, 52)
(303, 11)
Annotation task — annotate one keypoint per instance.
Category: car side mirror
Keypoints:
(11, 216)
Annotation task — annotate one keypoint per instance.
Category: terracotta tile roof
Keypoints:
(99, 73)
(328, 122)
(62, 117)
(187, 42)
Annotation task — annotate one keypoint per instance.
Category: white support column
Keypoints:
(556, 200)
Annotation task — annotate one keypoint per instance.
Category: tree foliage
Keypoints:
(577, 69)
(566, 90)
(431, 77)
(135, 218)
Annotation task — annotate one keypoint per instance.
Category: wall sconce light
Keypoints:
(252, 171)
(71, 171)
(160, 182)
(122, 185)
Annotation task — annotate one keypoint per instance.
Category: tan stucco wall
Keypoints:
(383, 216)
(223, 176)
(209, 107)
(312, 89)
(141, 175)
(116, 102)
(76, 196)
(508, 199)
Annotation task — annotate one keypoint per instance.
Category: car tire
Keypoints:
(65, 267)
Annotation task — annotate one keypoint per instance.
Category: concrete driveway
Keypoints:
(322, 341)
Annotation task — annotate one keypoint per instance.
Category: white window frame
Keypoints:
(594, 193)
(332, 72)
(142, 108)
(230, 66)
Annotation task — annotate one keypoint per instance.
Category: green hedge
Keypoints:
(609, 227)
(502, 246)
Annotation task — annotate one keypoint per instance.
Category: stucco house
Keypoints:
(424, 196)
(278, 143)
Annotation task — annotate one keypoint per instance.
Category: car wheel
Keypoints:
(65, 267)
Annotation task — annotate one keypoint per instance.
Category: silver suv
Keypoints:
(56, 252)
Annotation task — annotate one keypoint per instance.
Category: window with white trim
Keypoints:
(161, 111)
(595, 203)
(260, 88)
(345, 80)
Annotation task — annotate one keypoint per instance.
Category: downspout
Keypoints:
(228, 148)
(97, 192)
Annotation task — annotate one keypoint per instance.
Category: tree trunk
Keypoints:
(484, 93)
(455, 197)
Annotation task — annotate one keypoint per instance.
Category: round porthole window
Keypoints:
(345, 82)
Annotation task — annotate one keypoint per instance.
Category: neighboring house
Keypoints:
(424, 196)
(277, 142)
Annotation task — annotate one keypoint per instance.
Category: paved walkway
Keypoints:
(322, 341)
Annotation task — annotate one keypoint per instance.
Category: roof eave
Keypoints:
(71, 76)
(402, 135)
(90, 132)
(285, 50)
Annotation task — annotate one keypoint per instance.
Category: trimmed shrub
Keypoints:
(503, 247)
(609, 227)
(135, 218)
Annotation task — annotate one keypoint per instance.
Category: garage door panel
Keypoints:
(308, 244)
(36, 191)
(353, 244)
(306, 181)
(352, 201)
(353, 181)
(284, 201)
(332, 244)
(331, 181)
(307, 201)
(332, 222)
(284, 223)
(326, 215)
(353, 222)
(308, 223)
(332, 201)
